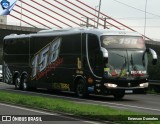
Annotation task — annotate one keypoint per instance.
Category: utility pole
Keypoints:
(87, 23)
(99, 12)
(105, 22)
(145, 18)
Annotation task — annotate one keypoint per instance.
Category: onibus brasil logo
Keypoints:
(5, 4)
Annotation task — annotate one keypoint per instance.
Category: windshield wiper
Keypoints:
(122, 72)
(123, 65)
(133, 65)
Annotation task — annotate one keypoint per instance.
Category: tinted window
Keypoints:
(93, 44)
(122, 62)
(71, 44)
(17, 46)
(38, 43)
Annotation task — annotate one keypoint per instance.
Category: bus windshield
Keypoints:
(118, 41)
(124, 63)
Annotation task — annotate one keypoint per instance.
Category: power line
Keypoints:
(136, 8)
(158, 26)
(111, 19)
(134, 18)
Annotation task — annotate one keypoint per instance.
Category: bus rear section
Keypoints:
(15, 58)
(43, 60)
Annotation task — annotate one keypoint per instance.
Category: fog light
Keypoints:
(143, 85)
(110, 85)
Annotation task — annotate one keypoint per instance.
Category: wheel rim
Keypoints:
(80, 90)
(24, 84)
(17, 83)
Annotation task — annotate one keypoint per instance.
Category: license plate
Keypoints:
(128, 91)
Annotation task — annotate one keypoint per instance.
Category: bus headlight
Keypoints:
(143, 85)
(110, 85)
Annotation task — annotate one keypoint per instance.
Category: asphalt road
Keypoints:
(15, 114)
(147, 104)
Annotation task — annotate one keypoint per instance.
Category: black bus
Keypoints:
(84, 61)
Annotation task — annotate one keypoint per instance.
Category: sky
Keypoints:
(128, 12)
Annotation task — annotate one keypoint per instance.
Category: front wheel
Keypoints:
(81, 89)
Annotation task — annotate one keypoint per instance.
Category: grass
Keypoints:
(66, 106)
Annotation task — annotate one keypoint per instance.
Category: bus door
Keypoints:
(94, 56)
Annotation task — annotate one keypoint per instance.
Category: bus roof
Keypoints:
(52, 32)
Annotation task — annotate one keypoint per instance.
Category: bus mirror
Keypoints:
(154, 56)
(105, 54)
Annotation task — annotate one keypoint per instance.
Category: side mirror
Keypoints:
(105, 54)
(154, 56)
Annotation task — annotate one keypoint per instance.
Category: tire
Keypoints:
(81, 89)
(25, 83)
(18, 84)
(118, 96)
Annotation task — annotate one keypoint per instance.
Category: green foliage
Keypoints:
(60, 105)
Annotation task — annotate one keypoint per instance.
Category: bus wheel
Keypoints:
(25, 83)
(18, 84)
(81, 89)
(118, 96)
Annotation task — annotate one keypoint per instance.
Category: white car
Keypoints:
(1, 75)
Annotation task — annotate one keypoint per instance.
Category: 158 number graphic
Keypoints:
(46, 56)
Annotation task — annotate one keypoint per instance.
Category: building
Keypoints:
(3, 19)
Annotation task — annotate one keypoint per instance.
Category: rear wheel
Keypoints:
(17, 82)
(81, 89)
(118, 96)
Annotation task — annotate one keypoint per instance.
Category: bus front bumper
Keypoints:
(126, 90)
(114, 88)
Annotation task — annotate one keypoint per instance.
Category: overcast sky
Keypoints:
(129, 12)
(134, 17)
